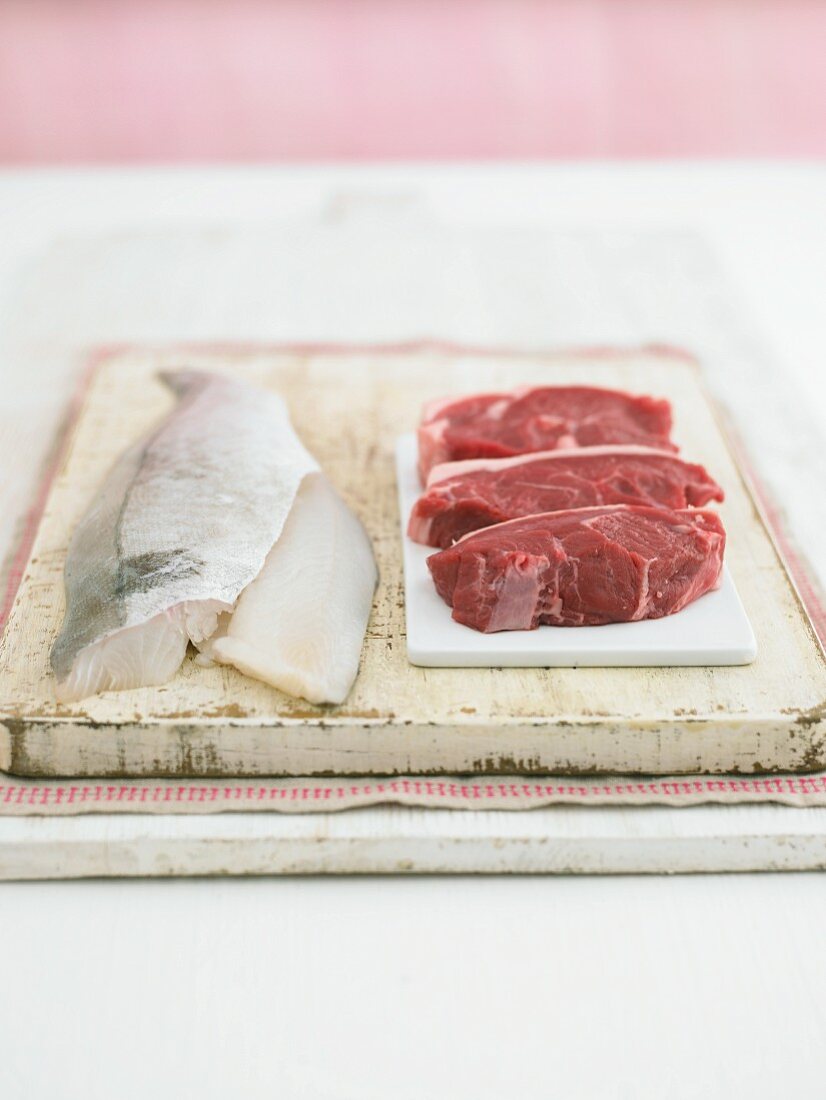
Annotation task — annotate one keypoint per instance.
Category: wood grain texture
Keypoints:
(349, 410)
(392, 840)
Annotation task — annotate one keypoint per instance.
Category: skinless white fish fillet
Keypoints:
(300, 624)
(183, 524)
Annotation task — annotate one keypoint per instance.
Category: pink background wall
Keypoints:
(138, 80)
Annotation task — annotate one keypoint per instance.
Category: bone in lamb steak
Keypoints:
(583, 567)
(464, 496)
(538, 418)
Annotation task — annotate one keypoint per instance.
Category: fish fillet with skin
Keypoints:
(183, 524)
(300, 624)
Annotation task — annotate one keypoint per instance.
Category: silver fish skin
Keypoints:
(183, 523)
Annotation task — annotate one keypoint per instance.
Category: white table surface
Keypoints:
(334, 988)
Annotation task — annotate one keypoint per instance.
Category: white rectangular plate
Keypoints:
(713, 630)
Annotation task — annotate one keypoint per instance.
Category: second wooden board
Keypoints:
(389, 840)
(349, 407)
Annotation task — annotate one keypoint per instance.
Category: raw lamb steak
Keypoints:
(464, 496)
(582, 567)
(538, 418)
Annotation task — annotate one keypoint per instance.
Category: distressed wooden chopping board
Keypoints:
(349, 408)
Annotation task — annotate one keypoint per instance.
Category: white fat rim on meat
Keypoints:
(445, 470)
(593, 509)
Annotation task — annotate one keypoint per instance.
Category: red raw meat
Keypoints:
(583, 567)
(539, 418)
(464, 496)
